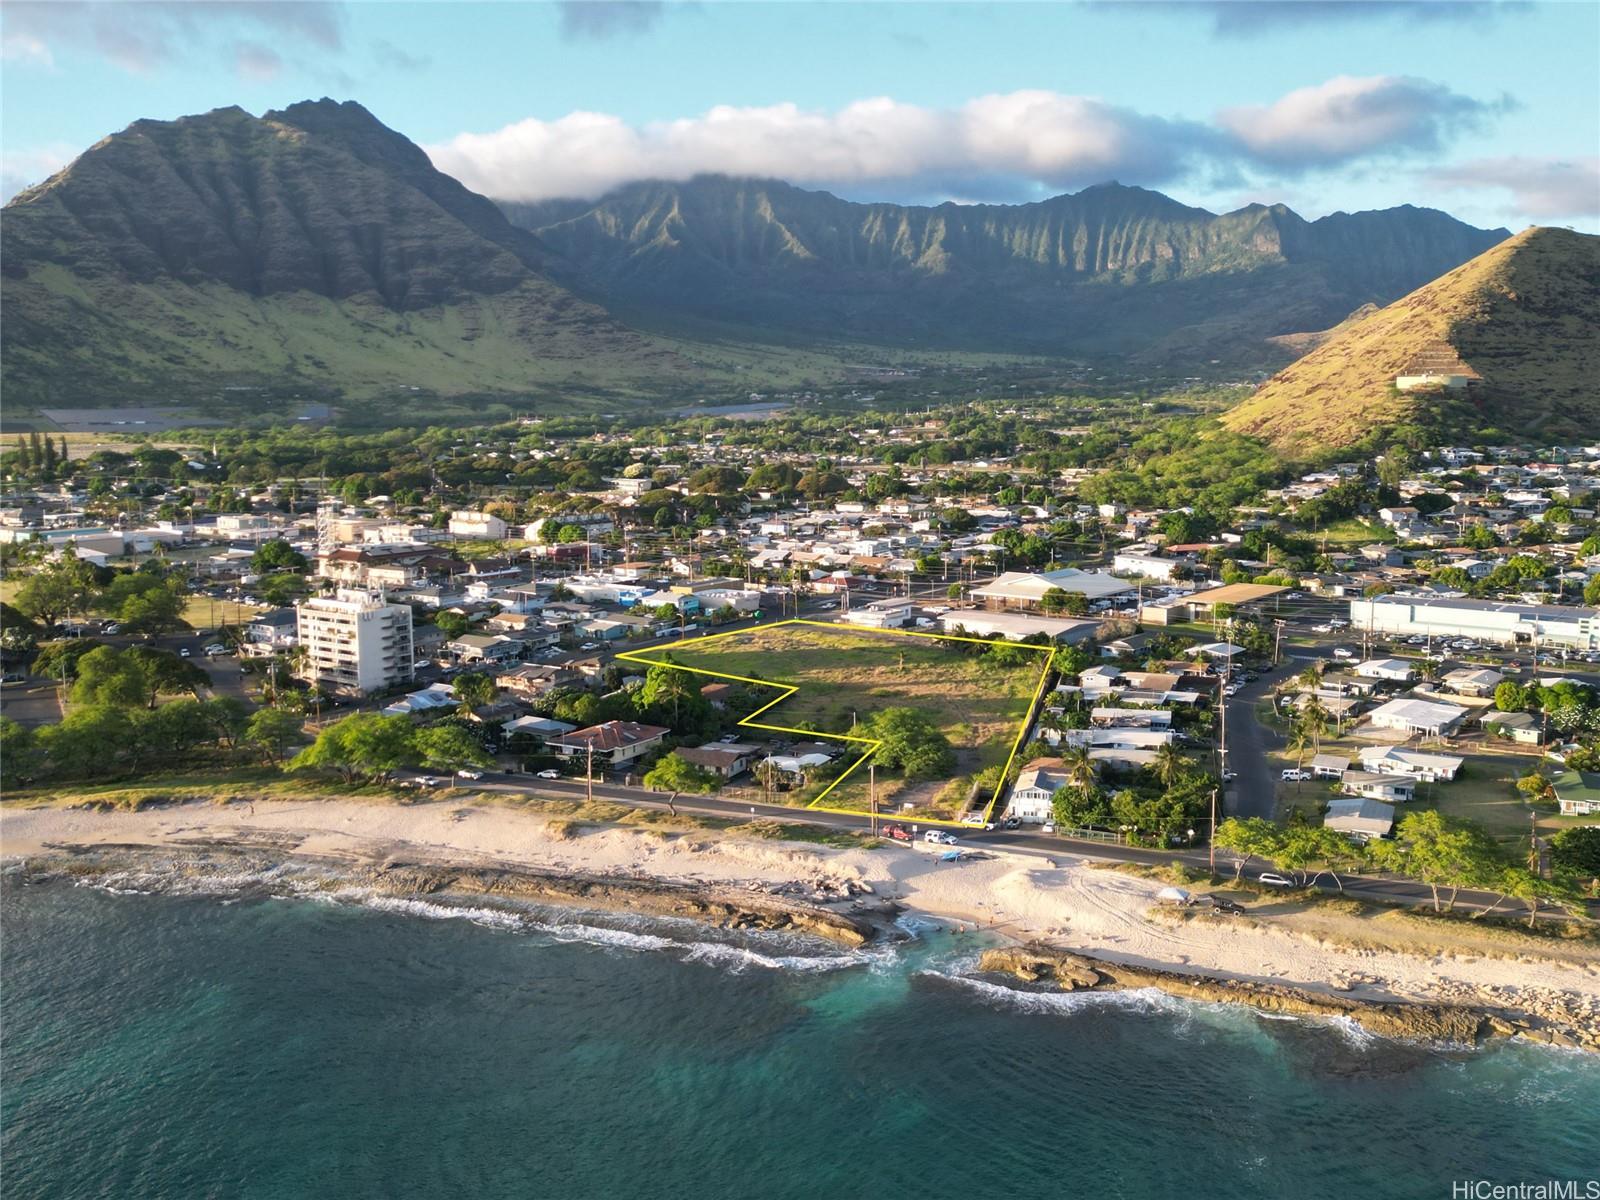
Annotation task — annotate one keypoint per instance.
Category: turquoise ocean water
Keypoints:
(202, 1045)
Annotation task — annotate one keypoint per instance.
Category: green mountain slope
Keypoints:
(1111, 270)
(1521, 317)
(311, 248)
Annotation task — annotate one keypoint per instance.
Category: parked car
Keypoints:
(1011, 823)
(939, 837)
(216, 648)
(1296, 775)
(1229, 776)
(184, 652)
(590, 646)
(547, 774)
(13, 677)
(898, 833)
(1341, 652)
(1231, 690)
(1272, 880)
(976, 818)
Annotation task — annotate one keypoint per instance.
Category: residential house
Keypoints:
(1389, 788)
(1360, 817)
(433, 698)
(1524, 729)
(727, 759)
(1418, 717)
(1577, 792)
(1472, 681)
(1390, 670)
(615, 742)
(881, 614)
(485, 648)
(1037, 784)
(1329, 766)
(1414, 764)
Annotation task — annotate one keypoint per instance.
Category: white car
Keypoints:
(1295, 775)
(976, 818)
(216, 648)
(1229, 776)
(1272, 880)
(1231, 690)
(548, 775)
(184, 652)
(939, 837)
(590, 646)
(470, 773)
(1322, 628)
(1341, 652)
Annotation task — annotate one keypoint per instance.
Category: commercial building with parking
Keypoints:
(1500, 622)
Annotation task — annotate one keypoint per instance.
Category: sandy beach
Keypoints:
(1066, 902)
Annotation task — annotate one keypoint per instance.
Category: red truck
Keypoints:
(897, 832)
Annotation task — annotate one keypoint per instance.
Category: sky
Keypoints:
(1488, 110)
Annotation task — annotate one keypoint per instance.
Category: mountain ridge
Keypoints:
(315, 247)
(748, 251)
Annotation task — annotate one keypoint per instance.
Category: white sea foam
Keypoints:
(600, 935)
(493, 917)
(1065, 1003)
(737, 958)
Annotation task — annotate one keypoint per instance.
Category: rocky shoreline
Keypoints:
(722, 908)
(1046, 966)
(847, 915)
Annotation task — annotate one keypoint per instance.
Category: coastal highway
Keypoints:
(1357, 887)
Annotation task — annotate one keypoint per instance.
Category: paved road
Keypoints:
(1377, 890)
(1254, 792)
(32, 703)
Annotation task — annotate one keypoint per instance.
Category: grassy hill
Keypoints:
(1522, 316)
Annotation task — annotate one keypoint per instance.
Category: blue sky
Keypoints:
(1491, 111)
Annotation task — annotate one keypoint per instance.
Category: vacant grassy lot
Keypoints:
(846, 674)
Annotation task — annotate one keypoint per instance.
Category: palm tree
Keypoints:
(1315, 718)
(1079, 768)
(1299, 739)
(1169, 764)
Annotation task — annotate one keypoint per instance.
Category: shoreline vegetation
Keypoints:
(1069, 924)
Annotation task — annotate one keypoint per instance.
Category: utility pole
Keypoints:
(588, 773)
(1213, 838)
(872, 796)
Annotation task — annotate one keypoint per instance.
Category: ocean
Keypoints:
(160, 1045)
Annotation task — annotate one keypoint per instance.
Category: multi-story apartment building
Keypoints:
(355, 642)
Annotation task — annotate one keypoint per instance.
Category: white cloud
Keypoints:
(23, 168)
(142, 37)
(1026, 137)
(1542, 188)
(1348, 118)
(25, 47)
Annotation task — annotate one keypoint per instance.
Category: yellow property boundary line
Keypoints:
(785, 690)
